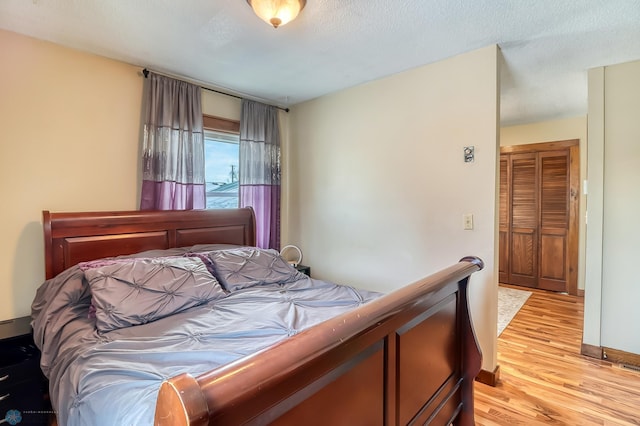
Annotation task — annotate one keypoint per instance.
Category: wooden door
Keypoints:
(554, 219)
(523, 250)
(504, 221)
(538, 216)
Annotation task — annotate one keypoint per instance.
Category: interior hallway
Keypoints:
(543, 377)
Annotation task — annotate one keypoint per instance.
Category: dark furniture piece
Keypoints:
(22, 386)
(409, 357)
(304, 269)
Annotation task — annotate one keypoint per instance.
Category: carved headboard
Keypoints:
(75, 237)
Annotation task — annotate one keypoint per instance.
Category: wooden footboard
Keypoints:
(409, 357)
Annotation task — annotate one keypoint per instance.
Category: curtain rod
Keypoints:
(145, 72)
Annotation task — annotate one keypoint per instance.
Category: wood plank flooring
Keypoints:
(545, 380)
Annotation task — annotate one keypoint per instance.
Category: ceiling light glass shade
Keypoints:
(277, 12)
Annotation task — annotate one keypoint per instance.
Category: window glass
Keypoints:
(221, 157)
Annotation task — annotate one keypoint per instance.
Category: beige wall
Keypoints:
(220, 105)
(70, 135)
(378, 187)
(546, 131)
(70, 124)
(71, 142)
(557, 130)
(612, 293)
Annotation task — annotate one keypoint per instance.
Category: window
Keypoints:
(221, 159)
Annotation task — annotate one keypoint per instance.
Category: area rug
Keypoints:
(509, 303)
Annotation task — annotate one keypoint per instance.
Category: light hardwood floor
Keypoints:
(544, 379)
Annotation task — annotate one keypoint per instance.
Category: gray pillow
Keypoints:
(245, 267)
(138, 291)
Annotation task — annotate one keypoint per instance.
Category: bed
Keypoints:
(299, 351)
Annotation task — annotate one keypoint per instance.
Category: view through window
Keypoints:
(221, 157)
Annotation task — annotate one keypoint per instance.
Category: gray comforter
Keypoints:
(111, 376)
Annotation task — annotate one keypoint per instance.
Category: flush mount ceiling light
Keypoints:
(277, 12)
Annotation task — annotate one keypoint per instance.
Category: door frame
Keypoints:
(573, 146)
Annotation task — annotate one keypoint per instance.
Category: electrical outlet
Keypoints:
(467, 220)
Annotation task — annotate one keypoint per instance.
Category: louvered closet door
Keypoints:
(538, 215)
(503, 225)
(523, 254)
(554, 219)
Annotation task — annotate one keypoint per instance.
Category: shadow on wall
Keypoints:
(28, 268)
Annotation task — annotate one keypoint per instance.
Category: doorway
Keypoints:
(539, 216)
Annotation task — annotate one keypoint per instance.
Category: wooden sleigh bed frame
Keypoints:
(409, 357)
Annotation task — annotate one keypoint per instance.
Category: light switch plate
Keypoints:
(467, 220)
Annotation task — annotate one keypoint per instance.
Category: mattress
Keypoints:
(107, 359)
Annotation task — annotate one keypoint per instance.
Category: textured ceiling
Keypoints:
(547, 45)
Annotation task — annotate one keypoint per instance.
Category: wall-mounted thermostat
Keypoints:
(468, 154)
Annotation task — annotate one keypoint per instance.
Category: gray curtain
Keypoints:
(260, 169)
(173, 146)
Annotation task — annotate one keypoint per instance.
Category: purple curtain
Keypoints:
(173, 146)
(260, 169)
